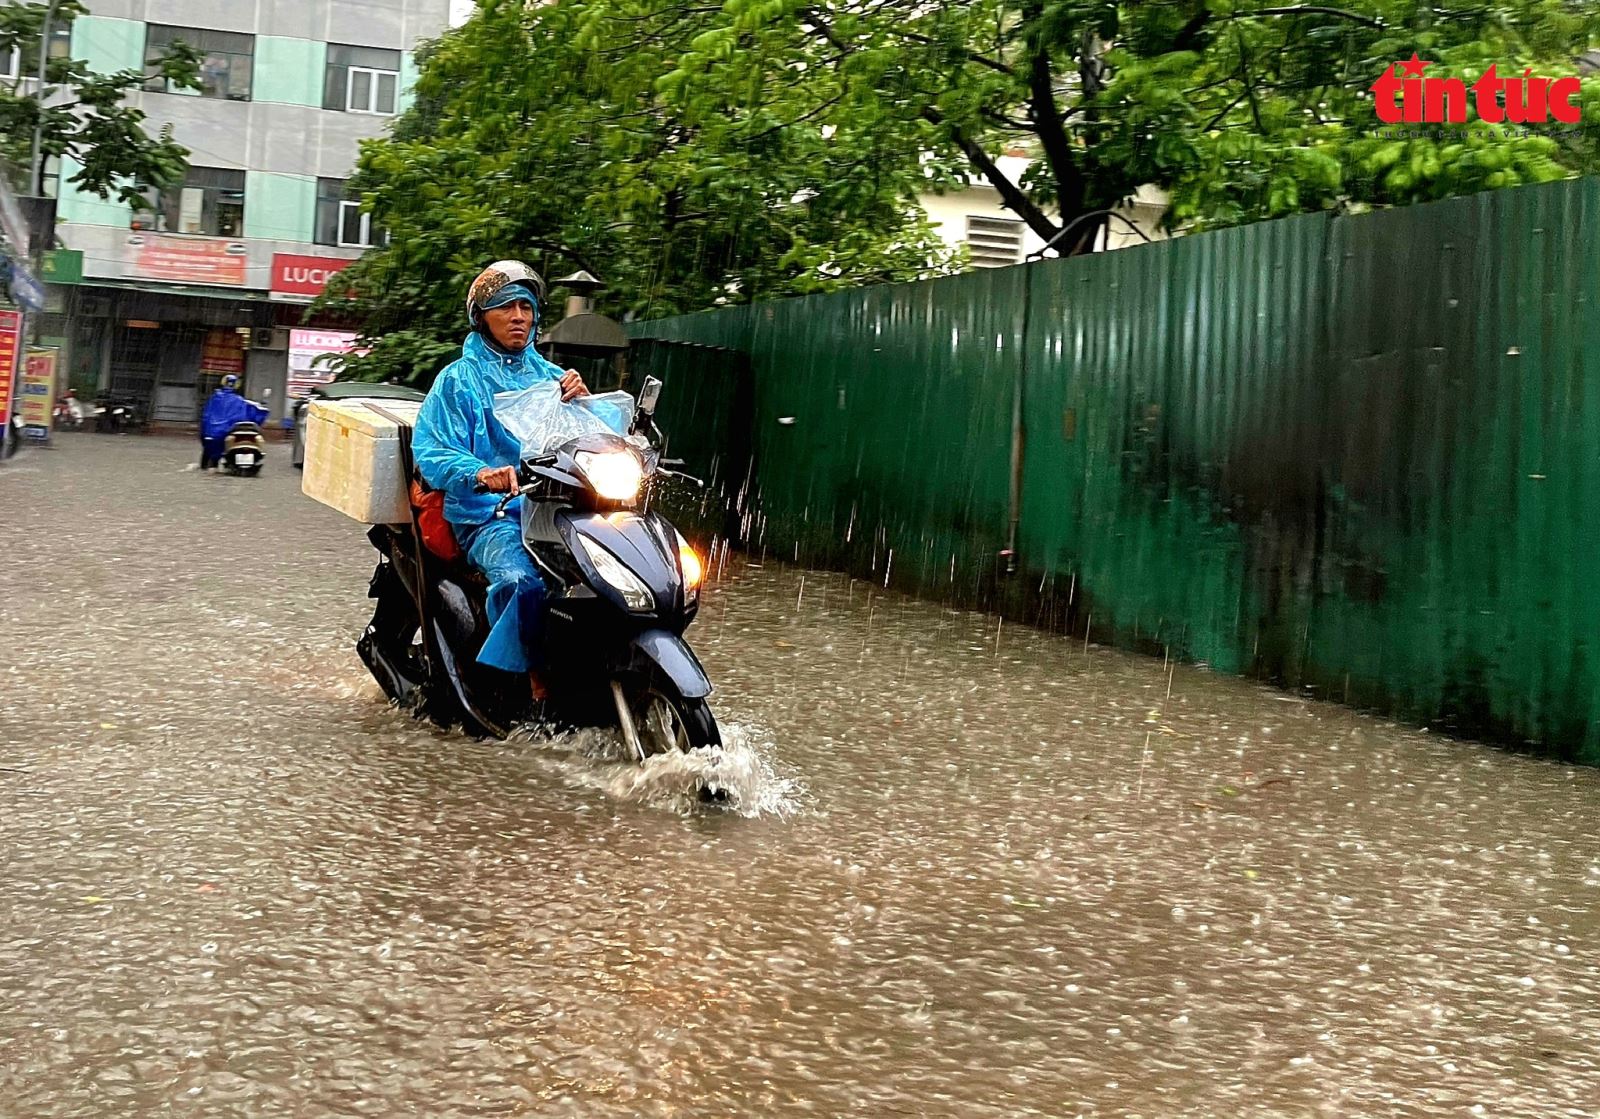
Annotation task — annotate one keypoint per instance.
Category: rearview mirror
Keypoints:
(648, 395)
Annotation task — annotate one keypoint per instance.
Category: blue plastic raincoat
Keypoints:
(222, 411)
(456, 436)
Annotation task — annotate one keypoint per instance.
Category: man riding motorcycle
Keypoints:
(459, 444)
(225, 409)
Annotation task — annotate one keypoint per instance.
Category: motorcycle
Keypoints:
(68, 414)
(244, 450)
(116, 415)
(624, 585)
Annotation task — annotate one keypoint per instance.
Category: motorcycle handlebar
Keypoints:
(520, 491)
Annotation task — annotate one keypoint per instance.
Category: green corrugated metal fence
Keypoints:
(1356, 454)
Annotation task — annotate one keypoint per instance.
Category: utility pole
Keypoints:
(36, 164)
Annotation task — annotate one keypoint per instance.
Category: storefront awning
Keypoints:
(198, 291)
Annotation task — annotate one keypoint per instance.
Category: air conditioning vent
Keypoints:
(993, 242)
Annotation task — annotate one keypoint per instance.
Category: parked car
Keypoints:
(341, 390)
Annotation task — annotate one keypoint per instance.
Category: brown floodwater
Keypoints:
(971, 869)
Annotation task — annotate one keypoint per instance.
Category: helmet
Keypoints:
(500, 274)
(230, 381)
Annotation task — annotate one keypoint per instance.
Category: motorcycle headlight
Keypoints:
(615, 572)
(693, 570)
(615, 475)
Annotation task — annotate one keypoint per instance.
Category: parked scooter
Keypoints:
(624, 586)
(69, 413)
(116, 415)
(244, 451)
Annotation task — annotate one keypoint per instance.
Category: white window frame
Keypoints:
(13, 69)
(374, 76)
(365, 225)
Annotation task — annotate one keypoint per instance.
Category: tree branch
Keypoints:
(972, 56)
(1013, 197)
(1003, 121)
(1047, 121)
(1313, 9)
(1214, 121)
(823, 107)
(811, 16)
(1188, 37)
(1249, 87)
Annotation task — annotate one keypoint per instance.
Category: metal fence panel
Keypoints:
(1355, 454)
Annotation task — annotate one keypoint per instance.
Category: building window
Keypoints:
(226, 64)
(339, 217)
(361, 80)
(993, 242)
(12, 66)
(370, 91)
(355, 228)
(210, 201)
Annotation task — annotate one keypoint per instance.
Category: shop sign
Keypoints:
(62, 266)
(308, 357)
(38, 393)
(10, 335)
(223, 352)
(304, 275)
(189, 260)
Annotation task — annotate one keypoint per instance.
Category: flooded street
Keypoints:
(975, 870)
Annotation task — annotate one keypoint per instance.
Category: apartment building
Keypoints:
(163, 302)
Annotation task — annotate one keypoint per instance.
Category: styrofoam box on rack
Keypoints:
(353, 459)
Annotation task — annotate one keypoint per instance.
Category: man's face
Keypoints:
(510, 325)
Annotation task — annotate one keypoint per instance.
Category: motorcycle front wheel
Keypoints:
(666, 721)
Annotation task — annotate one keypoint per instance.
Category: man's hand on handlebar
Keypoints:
(499, 479)
(572, 386)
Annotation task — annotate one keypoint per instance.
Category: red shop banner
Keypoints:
(304, 275)
(10, 337)
(222, 352)
(189, 260)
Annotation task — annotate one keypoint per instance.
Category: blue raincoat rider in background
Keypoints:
(225, 408)
(459, 443)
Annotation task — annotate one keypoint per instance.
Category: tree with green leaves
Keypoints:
(541, 133)
(83, 115)
(693, 154)
(1240, 109)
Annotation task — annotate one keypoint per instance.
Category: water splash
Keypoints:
(741, 771)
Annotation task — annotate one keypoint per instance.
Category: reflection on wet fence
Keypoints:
(1359, 455)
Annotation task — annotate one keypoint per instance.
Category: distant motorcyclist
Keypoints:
(459, 444)
(225, 408)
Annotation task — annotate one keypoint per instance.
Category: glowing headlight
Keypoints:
(615, 475)
(613, 571)
(693, 571)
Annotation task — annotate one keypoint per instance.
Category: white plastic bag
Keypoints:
(539, 421)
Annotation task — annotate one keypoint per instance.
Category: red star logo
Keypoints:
(1415, 67)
